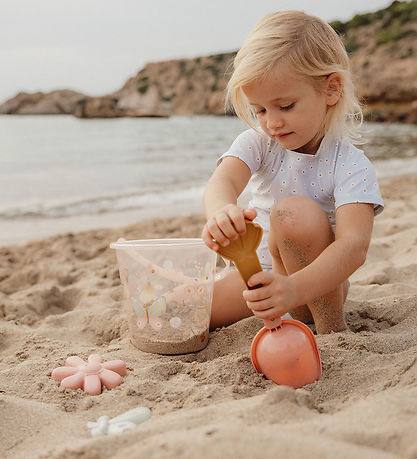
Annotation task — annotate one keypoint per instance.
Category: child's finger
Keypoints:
(259, 306)
(250, 213)
(219, 238)
(208, 240)
(216, 233)
(238, 220)
(263, 278)
(226, 227)
(257, 295)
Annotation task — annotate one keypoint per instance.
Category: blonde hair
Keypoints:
(313, 49)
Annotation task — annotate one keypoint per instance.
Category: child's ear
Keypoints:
(334, 88)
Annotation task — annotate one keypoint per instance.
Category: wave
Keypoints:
(104, 204)
(133, 200)
(386, 168)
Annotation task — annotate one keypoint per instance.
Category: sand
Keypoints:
(62, 296)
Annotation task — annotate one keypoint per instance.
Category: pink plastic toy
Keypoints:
(284, 351)
(90, 376)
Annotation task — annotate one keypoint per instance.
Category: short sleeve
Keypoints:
(248, 147)
(355, 181)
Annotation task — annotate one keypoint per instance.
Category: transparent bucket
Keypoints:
(168, 290)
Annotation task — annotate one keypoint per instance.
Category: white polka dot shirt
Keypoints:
(337, 174)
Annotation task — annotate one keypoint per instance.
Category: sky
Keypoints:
(94, 46)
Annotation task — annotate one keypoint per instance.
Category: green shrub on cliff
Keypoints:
(222, 57)
(401, 13)
(391, 23)
(351, 44)
(393, 33)
(397, 15)
(143, 84)
(213, 69)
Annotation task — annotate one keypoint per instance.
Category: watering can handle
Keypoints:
(221, 274)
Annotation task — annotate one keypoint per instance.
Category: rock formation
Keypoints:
(382, 48)
(60, 102)
(383, 53)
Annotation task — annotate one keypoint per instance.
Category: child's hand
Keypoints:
(226, 225)
(277, 295)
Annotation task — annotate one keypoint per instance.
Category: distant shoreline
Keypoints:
(23, 231)
(196, 86)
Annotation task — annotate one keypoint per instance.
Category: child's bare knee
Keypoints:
(290, 217)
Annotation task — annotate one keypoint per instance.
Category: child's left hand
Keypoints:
(277, 295)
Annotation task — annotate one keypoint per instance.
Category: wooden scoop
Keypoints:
(242, 251)
(284, 351)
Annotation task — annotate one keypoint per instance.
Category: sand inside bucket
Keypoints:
(191, 336)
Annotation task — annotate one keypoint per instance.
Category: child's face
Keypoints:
(289, 108)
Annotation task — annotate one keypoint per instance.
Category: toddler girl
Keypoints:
(314, 194)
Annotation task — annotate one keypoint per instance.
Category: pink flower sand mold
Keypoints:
(90, 376)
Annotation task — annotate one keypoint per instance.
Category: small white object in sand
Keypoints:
(126, 421)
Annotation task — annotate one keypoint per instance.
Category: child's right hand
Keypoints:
(226, 225)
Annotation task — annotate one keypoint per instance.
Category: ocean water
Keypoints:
(60, 173)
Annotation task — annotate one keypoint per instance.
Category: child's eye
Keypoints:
(260, 110)
(287, 107)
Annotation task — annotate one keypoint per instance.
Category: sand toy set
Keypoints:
(168, 289)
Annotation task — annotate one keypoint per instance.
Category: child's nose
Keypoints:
(274, 122)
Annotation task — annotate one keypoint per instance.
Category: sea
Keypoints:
(61, 174)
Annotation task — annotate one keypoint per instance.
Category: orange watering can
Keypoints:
(284, 351)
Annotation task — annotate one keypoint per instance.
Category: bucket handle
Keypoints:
(222, 273)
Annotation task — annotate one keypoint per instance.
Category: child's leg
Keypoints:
(228, 305)
(300, 231)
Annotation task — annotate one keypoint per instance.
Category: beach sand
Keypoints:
(62, 296)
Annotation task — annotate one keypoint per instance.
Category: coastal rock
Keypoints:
(60, 102)
(129, 104)
(383, 50)
(382, 47)
(96, 107)
(182, 87)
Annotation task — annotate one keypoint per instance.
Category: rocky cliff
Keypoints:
(383, 52)
(61, 102)
(181, 87)
(382, 47)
